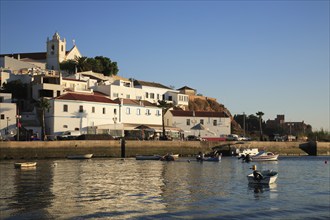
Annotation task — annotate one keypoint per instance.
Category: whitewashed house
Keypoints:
(215, 123)
(120, 88)
(139, 112)
(153, 92)
(87, 113)
(7, 115)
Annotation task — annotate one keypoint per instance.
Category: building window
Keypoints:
(170, 98)
(65, 126)
(215, 122)
(147, 95)
(138, 97)
(148, 112)
(138, 111)
(81, 108)
(158, 96)
(2, 116)
(152, 95)
(115, 111)
(158, 113)
(93, 109)
(188, 121)
(128, 96)
(103, 110)
(65, 108)
(115, 95)
(201, 121)
(128, 111)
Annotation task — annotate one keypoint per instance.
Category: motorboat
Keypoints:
(80, 156)
(265, 156)
(262, 177)
(216, 158)
(168, 157)
(148, 157)
(251, 152)
(25, 165)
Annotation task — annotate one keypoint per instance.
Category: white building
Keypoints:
(215, 123)
(120, 88)
(81, 112)
(7, 115)
(139, 112)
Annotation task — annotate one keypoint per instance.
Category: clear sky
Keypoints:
(269, 56)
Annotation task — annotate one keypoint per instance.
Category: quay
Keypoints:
(114, 149)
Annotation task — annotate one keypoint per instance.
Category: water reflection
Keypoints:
(32, 191)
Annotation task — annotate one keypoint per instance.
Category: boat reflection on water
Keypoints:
(259, 189)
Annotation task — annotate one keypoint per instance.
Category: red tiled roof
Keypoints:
(179, 113)
(85, 97)
(136, 102)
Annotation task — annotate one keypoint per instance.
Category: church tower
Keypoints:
(56, 52)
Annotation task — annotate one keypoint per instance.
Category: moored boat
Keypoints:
(148, 157)
(25, 165)
(216, 158)
(80, 156)
(263, 177)
(265, 156)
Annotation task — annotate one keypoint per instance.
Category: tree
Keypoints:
(98, 64)
(260, 114)
(165, 107)
(43, 105)
(18, 89)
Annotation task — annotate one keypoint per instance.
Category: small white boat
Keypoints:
(148, 157)
(211, 159)
(251, 152)
(176, 156)
(263, 177)
(25, 165)
(80, 156)
(265, 156)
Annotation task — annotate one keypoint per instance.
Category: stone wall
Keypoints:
(106, 148)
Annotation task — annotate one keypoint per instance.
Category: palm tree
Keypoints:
(165, 107)
(260, 114)
(43, 105)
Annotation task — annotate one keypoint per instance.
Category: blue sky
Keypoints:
(269, 56)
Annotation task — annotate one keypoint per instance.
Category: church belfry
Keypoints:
(56, 52)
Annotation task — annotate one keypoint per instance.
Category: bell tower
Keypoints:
(56, 52)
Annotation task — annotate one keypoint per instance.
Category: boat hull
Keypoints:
(79, 157)
(209, 159)
(269, 177)
(148, 157)
(25, 165)
(265, 158)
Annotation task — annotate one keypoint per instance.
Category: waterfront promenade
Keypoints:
(106, 148)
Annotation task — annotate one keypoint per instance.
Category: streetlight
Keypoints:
(7, 130)
(115, 121)
(18, 117)
(290, 125)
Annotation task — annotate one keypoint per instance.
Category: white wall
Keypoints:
(223, 125)
(59, 121)
(7, 114)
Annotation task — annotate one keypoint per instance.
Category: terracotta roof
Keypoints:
(179, 113)
(85, 97)
(136, 102)
(150, 84)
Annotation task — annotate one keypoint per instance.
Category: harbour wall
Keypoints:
(112, 148)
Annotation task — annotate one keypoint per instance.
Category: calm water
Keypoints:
(130, 189)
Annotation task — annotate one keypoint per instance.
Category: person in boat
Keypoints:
(247, 158)
(257, 174)
(200, 156)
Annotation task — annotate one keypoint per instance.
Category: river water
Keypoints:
(183, 189)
